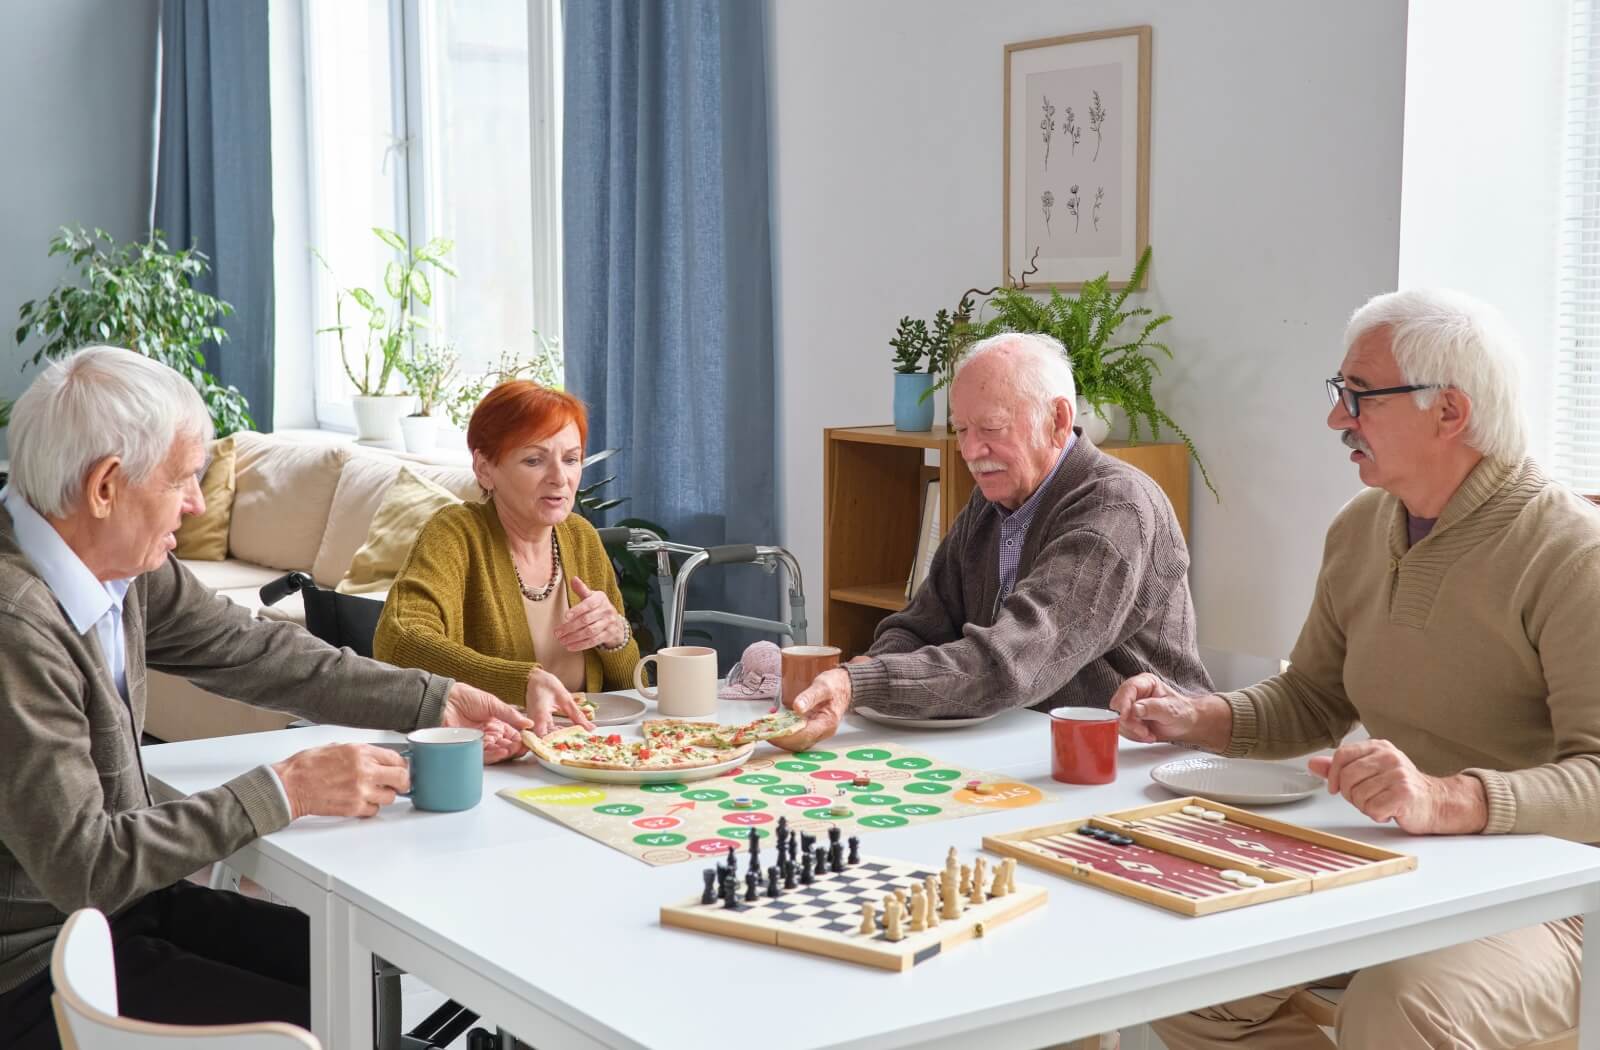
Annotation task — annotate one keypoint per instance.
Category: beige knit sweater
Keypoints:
(1475, 651)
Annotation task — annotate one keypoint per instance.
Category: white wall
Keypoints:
(1274, 212)
(1481, 205)
(78, 79)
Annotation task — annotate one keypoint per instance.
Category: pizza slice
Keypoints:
(585, 705)
(781, 722)
(676, 731)
(576, 746)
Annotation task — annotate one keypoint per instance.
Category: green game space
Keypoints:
(884, 820)
(662, 789)
(757, 779)
(619, 809)
(815, 756)
(705, 795)
(868, 754)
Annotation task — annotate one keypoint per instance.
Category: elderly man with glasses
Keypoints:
(1454, 617)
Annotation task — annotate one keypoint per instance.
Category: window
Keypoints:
(423, 120)
(1577, 390)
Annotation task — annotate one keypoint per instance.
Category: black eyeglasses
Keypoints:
(1351, 399)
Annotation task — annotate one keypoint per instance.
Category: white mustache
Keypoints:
(979, 466)
(1350, 440)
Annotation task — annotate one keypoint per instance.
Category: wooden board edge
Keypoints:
(711, 922)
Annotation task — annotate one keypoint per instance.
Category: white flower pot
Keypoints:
(420, 432)
(1094, 428)
(378, 418)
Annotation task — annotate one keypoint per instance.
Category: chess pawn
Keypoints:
(869, 920)
(998, 887)
(919, 909)
(977, 894)
(900, 895)
(891, 920)
(965, 888)
(931, 892)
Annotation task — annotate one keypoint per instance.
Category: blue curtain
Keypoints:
(214, 175)
(668, 273)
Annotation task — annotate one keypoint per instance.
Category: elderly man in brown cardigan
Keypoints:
(1064, 574)
(1454, 616)
(106, 447)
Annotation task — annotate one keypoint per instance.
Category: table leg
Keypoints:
(351, 965)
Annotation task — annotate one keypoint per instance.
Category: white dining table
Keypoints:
(555, 936)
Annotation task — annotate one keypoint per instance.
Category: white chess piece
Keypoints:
(919, 909)
(997, 888)
(931, 891)
(869, 921)
(978, 896)
(1009, 866)
(952, 901)
(966, 880)
(891, 920)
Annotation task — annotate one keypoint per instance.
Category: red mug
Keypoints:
(1083, 745)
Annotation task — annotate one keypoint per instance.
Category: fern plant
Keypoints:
(1109, 366)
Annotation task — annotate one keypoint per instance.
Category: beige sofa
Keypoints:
(300, 502)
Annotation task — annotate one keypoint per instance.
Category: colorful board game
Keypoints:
(1195, 857)
(835, 905)
(859, 788)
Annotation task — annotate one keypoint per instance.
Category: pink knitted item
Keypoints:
(757, 676)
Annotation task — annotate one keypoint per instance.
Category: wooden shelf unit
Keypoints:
(873, 482)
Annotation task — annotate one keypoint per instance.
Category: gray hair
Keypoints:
(1445, 338)
(97, 402)
(1042, 372)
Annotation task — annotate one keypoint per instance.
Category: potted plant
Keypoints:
(912, 344)
(430, 370)
(545, 367)
(1113, 364)
(136, 295)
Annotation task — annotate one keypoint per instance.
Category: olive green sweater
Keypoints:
(1475, 651)
(456, 609)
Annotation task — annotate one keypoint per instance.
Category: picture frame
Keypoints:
(1077, 158)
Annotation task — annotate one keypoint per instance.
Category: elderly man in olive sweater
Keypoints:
(1064, 574)
(105, 447)
(1454, 616)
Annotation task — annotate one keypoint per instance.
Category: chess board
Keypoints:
(1197, 863)
(824, 918)
(675, 822)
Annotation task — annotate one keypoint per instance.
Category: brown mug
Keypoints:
(802, 664)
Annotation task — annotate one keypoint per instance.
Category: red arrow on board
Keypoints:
(681, 805)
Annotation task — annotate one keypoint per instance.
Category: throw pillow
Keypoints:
(204, 537)
(407, 505)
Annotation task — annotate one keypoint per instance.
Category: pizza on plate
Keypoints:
(576, 746)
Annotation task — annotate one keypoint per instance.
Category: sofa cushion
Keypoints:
(204, 537)
(281, 500)
(362, 485)
(406, 507)
(231, 574)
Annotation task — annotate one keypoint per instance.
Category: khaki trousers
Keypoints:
(1495, 994)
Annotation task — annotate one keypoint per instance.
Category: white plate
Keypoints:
(647, 776)
(612, 709)
(917, 723)
(1240, 781)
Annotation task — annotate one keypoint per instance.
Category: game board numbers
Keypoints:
(909, 763)
(815, 756)
(748, 819)
(705, 795)
(883, 820)
(662, 789)
(868, 754)
(757, 779)
(619, 809)
(923, 787)
(715, 847)
(662, 838)
(939, 774)
(782, 790)
(797, 767)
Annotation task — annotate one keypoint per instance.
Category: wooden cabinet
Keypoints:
(873, 482)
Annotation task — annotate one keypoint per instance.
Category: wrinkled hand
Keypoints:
(1151, 711)
(823, 703)
(1379, 780)
(593, 621)
(547, 697)
(472, 708)
(342, 780)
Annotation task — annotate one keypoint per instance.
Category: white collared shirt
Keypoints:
(89, 603)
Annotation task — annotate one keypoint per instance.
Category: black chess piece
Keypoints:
(805, 869)
(755, 842)
(709, 895)
(788, 874)
(733, 860)
(833, 835)
(855, 850)
(730, 895)
(783, 829)
(750, 893)
(836, 858)
(820, 865)
(772, 881)
(807, 842)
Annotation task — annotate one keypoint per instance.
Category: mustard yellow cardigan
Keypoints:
(455, 608)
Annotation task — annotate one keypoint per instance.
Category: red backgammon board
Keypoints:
(1195, 857)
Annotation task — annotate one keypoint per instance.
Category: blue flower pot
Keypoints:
(911, 410)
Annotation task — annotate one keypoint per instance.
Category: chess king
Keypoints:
(1454, 618)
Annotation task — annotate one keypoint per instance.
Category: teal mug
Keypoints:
(446, 768)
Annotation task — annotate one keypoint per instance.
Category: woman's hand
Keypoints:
(547, 697)
(594, 621)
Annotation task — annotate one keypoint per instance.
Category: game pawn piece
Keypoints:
(855, 852)
(919, 909)
(836, 858)
(820, 865)
(755, 842)
(977, 894)
(772, 881)
(892, 914)
(952, 902)
(997, 888)
(783, 830)
(900, 895)
(730, 895)
(751, 893)
(965, 886)
(709, 895)
(833, 835)
(808, 842)
(930, 890)
(788, 874)
(733, 860)
(805, 870)
(869, 921)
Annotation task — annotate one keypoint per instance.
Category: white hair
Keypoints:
(97, 402)
(1042, 372)
(1444, 338)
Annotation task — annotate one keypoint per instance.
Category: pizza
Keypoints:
(576, 746)
(676, 731)
(585, 705)
(781, 722)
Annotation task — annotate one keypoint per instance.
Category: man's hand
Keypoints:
(501, 723)
(593, 621)
(1151, 712)
(546, 698)
(342, 780)
(1379, 780)
(823, 703)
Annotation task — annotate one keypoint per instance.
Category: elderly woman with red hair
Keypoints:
(515, 595)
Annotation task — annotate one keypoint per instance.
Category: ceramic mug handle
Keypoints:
(645, 691)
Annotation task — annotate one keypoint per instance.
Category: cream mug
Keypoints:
(686, 681)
